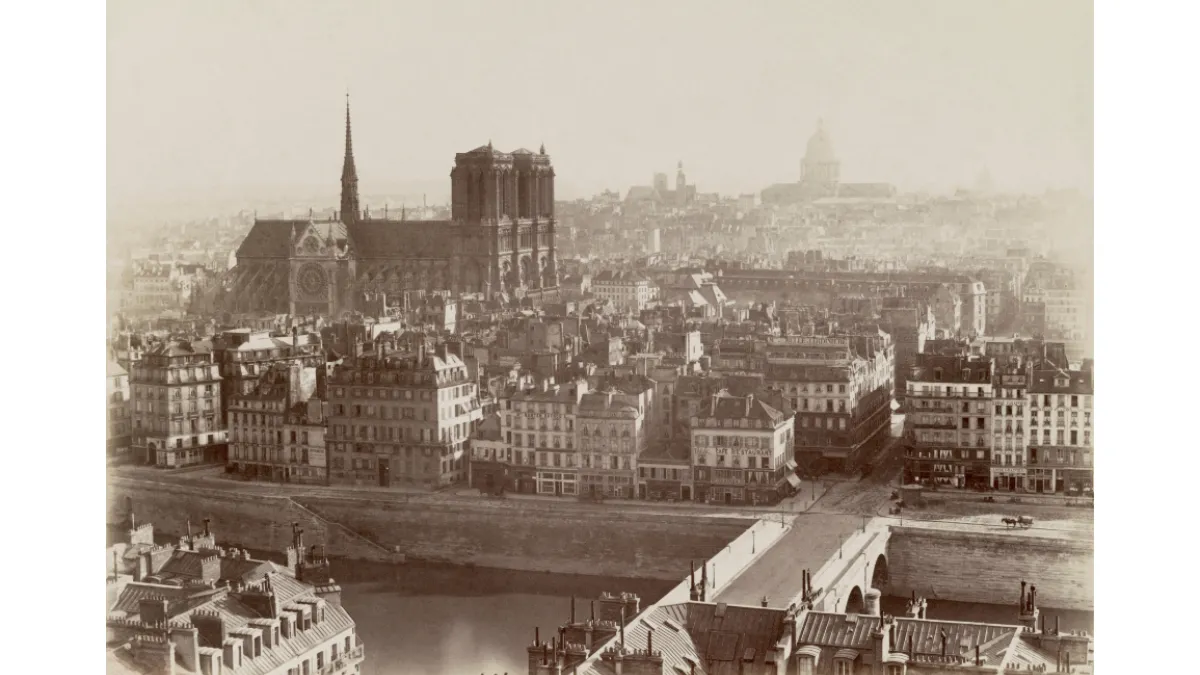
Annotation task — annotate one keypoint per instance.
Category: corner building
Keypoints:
(948, 427)
(1060, 431)
(742, 451)
(401, 419)
(176, 393)
(500, 239)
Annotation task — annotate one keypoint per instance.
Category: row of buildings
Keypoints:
(609, 408)
(1020, 421)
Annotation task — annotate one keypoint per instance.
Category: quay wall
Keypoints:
(563, 538)
(988, 567)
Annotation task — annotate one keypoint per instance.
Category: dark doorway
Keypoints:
(385, 473)
(686, 493)
(728, 497)
(489, 480)
(641, 492)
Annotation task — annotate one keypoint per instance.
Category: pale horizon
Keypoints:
(226, 101)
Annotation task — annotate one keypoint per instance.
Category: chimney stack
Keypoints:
(572, 610)
(622, 627)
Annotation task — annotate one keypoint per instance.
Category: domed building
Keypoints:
(820, 179)
(820, 168)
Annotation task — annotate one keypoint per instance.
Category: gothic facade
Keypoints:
(499, 240)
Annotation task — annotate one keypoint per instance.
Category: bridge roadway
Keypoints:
(777, 572)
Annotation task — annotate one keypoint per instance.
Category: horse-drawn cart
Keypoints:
(1023, 522)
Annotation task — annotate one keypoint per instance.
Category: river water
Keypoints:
(439, 620)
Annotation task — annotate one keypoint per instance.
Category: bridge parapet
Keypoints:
(859, 563)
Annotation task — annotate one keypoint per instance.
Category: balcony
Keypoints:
(342, 662)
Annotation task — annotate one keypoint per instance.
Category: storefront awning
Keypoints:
(793, 480)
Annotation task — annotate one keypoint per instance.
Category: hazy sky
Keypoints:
(221, 97)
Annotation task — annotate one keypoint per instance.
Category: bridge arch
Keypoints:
(881, 576)
(854, 602)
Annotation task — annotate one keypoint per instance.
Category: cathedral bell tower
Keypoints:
(349, 212)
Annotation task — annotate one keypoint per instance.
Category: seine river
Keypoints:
(480, 621)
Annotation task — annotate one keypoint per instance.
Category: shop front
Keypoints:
(1076, 482)
(1008, 478)
(1039, 480)
(557, 483)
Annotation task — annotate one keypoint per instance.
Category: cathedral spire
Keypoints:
(349, 176)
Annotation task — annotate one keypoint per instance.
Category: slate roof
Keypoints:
(1078, 382)
(842, 631)
(737, 642)
(180, 348)
(269, 239)
(238, 615)
(370, 239)
(373, 239)
(729, 407)
(186, 565)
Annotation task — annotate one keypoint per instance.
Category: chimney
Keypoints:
(187, 647)
(188, 540)
(622, 627)
(153, 611)
(1028, 615)
(872, 602)
(210, 567)
(572, 610)
(207, 530)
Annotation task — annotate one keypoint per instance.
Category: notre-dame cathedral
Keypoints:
(500, 239)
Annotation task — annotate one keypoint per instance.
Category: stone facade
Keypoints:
(176, 394)
(500, 239)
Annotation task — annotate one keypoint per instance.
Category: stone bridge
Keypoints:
(845, 564)
(859, 565)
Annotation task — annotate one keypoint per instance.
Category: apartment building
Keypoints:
(400, 418)
(1010, 421)
(841, 388)
(948, 426)
(629, 292)
(611, 436)
(742, 451)
(245, 354)
(258, 434)
(304, 439)
(537, 431)
(1061, 431)
(176, 393)
(201, 609)
(117, 402)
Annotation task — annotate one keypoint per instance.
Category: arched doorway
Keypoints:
(880, 578)
(854, 603)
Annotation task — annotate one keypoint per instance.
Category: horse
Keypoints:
(1010, 522)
